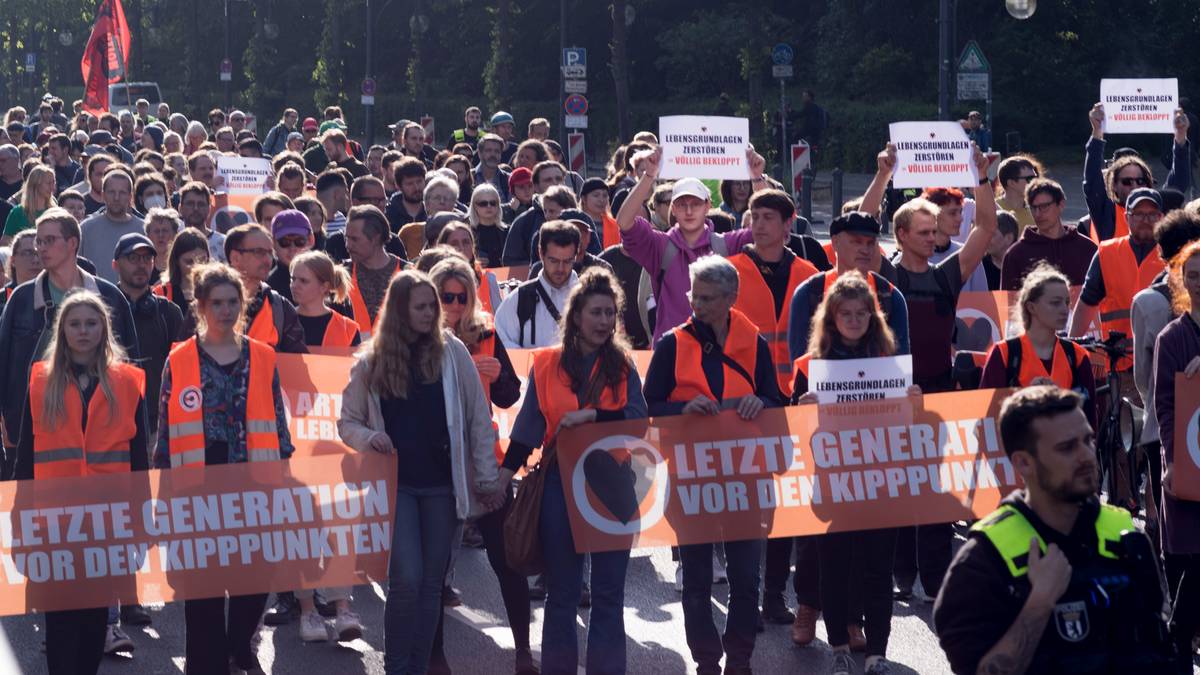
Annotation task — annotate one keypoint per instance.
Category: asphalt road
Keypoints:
(478, 640)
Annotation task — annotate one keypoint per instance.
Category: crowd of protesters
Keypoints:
(392, 249)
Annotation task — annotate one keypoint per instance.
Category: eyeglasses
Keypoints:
(257, 252)
(292, 242)
(1037, 208)
(451, 298)
(47, 241)
(1026, 178)
(487, 204)
(1148, 217)
(1140, 181)
(140, 258)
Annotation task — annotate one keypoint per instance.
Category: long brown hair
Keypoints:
(205, 278)
(58, 359)
(849, 286)
(1181, 302)
(395, 347)
(613, 358)
(1110, 176)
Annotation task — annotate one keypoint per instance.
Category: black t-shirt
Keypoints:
(90, 205)
(489, 244)
(64, 176)
(417, 426)
(280, 281)
(992, 272)
(932, 298)
(314, 329)
(7, 190)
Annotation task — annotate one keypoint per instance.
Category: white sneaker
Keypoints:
(115, 640)
(347, 626)
(312, 627)
(678, 578)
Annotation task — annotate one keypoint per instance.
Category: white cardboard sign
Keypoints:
(243, 175)
(696, 146)
(860, 379)
(1139, 106)
(932, 154)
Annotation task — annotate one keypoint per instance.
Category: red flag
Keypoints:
(106, 54)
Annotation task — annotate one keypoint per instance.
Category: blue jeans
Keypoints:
(741, 626)
(421, 539)
(564, 581)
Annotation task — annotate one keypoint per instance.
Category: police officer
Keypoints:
(1053, 581)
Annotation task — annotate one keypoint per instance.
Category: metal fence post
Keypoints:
(836, 190)
(806, 193)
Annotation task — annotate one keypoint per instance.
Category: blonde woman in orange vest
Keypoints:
(221, 404)
(415, 392)
(461, 237)
(589, 378)
(316, 280)
(86, 417)
(455, 282)
(1038, 355)
(855, 567)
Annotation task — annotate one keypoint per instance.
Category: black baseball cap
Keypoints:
(1143, 194)
(128, 243)
(855, 222)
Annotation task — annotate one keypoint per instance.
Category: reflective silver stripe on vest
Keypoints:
(187, 457)
(1114, 315)
(262, 454)
(186, 429)
(57, 455)
(774, 336)
(260, 427)
(109, 457)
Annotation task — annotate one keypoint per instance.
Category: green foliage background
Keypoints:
(869, 61)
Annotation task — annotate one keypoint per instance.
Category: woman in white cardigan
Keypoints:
(414, 392)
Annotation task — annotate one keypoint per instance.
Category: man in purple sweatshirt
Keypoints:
(666, 255)
(1049, 239)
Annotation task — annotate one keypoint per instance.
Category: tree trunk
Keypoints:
(620, 70)
(498, 72)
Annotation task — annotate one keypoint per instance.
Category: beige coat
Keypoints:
(468, 415)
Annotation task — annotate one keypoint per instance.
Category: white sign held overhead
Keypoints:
(932, 153)
(850, 380)
(704, 147)
(1139, 106)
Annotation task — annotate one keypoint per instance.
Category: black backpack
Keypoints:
(1012, 371)
(529, 294)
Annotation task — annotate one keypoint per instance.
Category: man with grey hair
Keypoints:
(128, 131)
(488, 170)
(715, 361)
(440, 196)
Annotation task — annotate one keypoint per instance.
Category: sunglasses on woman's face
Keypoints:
(1140, 182)
(451, 298)
(487, 204)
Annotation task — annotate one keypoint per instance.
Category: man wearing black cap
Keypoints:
(1120, 269)
(1107, 192)
(157, 320)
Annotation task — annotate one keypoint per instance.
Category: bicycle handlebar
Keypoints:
(1114, 346)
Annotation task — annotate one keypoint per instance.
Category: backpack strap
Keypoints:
(527, 300)
(1012, 369)
(668, 256)
(1068, 348)
(711, 347)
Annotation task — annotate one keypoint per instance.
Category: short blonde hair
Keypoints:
(904, 215)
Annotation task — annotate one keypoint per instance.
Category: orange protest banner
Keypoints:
(312, 387)
(1187, 438)
(517, 272)
(792, 471)
(199, 532)
(981, 320)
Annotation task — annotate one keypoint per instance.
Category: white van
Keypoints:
(123, 96)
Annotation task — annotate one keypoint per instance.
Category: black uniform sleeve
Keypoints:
(23, 467)
(975, 607)
(139, 455)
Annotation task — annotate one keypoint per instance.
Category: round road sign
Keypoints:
(782, 54)
(368, 86)
(575, 104)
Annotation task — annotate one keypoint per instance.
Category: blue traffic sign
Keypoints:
(575, 56)
(782, 54)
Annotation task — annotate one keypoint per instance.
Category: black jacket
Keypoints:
(159, 324)
(25, 332)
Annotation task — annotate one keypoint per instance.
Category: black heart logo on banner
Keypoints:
(974, 336)
(620, 485)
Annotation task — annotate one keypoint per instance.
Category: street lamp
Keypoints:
(1021, 9)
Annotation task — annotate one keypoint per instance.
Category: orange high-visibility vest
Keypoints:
(756, 301)
(483, 289)
(554, 393)
(163, 291)
(1031, 366)
(800, 367)
(185, 410)
(361, 316)
(68, 449)
(487, 347)
(610, 231)
(339, 332)
(1120, 226)
(262, 327)
(1123, 279)
(741, 345)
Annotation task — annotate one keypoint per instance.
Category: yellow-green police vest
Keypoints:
(1009, 531)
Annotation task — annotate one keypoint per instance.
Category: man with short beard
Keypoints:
(334, 143)
(1032, 589)
(490, 150)
(407, 205)
(472, 117)
(100, 231)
